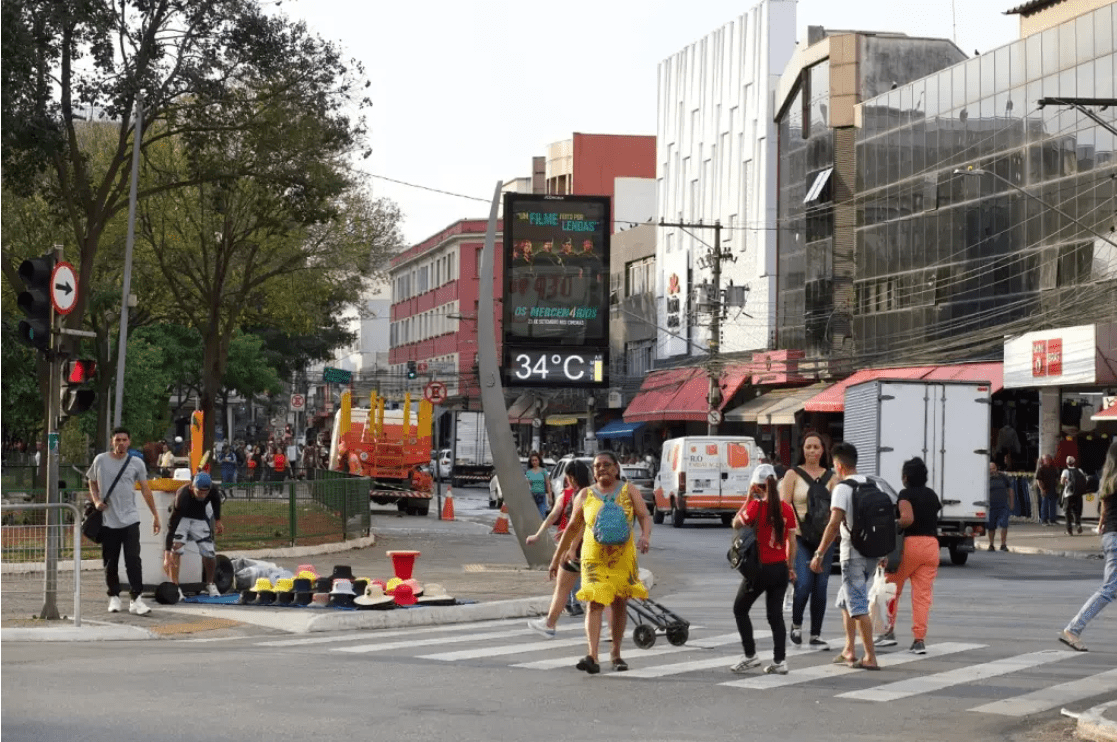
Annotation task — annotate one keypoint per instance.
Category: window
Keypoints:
(640, 356)
(641, 276)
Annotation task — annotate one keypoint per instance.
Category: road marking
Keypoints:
(931, 683)
(817, 672)
(458, 638)
(472, 654)
(707, 643)
(1049, 698)
(370, 634)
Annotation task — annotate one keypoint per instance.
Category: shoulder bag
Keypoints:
(744, 554)
(94, 520)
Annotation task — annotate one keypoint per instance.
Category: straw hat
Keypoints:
(435, 594)
(374, 599)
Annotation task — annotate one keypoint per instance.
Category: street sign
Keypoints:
(536, 423)
(435, 392)
(713, 417)
(63, 288)
(336, 376)
(298, 402)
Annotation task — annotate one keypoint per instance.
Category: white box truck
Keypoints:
(473, 457)
(946, 423)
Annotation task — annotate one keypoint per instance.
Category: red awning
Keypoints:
(732, 379)
(682, 394)
(1109, 414)
(834, 398)
(656, 391)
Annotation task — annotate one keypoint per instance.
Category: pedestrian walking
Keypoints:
(113, 477)
(537, 481)
(1107, 524)
(610, 575)
(807, 487)
(563, 571)
(919, 517)
(1047, 480)
(1001, 501)
(1072, 484)
(774, 521)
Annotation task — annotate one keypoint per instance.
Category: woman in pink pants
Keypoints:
(919, 517)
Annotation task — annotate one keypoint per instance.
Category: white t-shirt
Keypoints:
(842, 498)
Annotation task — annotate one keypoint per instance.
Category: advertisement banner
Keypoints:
(1058, 357)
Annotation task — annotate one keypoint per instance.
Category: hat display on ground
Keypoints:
(306, 574)
(416, 586)
(403, 594)
(284, 585)
(166, 593)
(303, 598)
(342, 572)
(303, 585)
(262, 583)
(342, 587)
(435, 594)
(313, 573)
(390, 588)
(247, 597)
(342, 594)
(323, 584)
(265, 597)
(360, 584)
(320, 600)
(374, 599)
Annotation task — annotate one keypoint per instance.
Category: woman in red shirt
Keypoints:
(774, 521)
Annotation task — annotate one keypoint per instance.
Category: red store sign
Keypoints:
(1047, 358)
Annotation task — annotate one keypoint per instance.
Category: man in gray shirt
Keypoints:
(121, 519)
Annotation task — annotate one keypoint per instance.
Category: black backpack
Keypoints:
(874, 520)
(812, 526)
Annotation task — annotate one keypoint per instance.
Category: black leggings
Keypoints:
(112, 539)
(773, 583)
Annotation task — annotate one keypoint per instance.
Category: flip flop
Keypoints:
(588, 665)
(1072, 641)
(841, 659)
(619, 665)
(860, 665)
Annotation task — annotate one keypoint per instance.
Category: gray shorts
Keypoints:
(198, 531)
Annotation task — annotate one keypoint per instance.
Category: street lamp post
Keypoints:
(1010, 184)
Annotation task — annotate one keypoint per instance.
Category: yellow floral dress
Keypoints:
(608, 572)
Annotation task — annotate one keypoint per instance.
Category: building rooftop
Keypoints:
(1032, 7)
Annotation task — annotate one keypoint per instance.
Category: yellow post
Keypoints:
(344, 420)
(196, 441)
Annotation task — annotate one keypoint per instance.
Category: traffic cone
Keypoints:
(448, 505)
(501, 525)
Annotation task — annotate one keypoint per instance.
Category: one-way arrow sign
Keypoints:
(63, 288)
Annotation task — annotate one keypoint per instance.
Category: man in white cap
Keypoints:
(190, 522)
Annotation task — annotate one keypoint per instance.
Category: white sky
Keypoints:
(465, 93)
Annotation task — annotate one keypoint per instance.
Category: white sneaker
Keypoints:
(776, 668)
(114, 604)
(139, 607)
(181, 596)
(746, 664)
(212, 591)
(539, 626)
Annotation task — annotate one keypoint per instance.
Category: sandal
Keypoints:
(860, 665)
(619, 665)
(1072, 641)
(842, 659)
(588, 664)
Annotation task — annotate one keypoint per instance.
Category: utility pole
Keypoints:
(712, 258)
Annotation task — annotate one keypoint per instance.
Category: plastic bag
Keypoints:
(880, 594)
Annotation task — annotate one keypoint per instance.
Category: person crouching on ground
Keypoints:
(189, 522)
(775, 535)
(609, 573)
(563, 571)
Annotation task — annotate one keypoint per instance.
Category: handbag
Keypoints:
(94, 520)
(744, 554)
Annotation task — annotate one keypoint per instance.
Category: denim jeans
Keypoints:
(1047, 509)
(1106, 593)
(810, 586)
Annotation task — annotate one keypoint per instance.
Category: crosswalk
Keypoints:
(1041, 680)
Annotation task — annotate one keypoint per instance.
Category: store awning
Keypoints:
(619, 429)
(673, 394)
(777, 407)
(1109, 414)
(834, 398)
(556, 420)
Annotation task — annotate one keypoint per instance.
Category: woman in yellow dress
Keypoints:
(609, 573)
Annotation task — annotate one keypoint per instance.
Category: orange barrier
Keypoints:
(448, 506)
(501, 525)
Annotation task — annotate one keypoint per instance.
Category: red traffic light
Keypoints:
(80, 371)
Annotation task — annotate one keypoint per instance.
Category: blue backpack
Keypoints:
(611, 527)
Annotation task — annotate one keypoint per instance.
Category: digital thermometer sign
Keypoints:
(554, 367)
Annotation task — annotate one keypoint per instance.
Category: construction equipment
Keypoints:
(389, 447)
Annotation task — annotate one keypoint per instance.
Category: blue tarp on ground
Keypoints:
(619, 429)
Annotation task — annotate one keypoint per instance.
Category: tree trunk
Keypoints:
(216, 346)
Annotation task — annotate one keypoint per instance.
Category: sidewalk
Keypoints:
(1033, 538)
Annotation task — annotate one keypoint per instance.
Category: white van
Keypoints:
(704, 477)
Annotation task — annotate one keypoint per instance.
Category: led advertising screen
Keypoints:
(556, 290)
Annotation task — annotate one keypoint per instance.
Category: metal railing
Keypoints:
(51, 540)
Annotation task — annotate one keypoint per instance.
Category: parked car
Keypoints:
(642, 478)
(558, 474)
(496, 497)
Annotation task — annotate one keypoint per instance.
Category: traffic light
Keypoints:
(76, 399)
(411, 370)
(35, 301)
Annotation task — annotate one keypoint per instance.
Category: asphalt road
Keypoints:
(994, 671)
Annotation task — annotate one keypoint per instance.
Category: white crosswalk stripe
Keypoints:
(931, 683)
(808, 674)
(383, 634)
(1053, 697)
(472, 654)
(708, 643)
(452, 639)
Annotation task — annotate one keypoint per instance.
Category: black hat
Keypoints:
(265, 597)
(303, 585)
(360, 585)
(302, 598)
(342, 572)
(286, 598)
(247, 597)
(323, 584)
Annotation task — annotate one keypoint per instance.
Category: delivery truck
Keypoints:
(946, 423)
(473, 457)
(703, 476)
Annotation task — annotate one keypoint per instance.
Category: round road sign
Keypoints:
(63, 288)
(435, 392)
(713, 417)
(298, 402)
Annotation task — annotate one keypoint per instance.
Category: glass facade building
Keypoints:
(979, 211)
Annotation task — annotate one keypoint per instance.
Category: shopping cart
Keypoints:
(652, 619)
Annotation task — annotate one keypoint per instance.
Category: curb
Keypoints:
(1093, 724)
(1053, 552)
(87, 632)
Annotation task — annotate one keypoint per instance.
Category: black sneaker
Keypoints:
(796, 635)
(992, 548)
(1004, 547)
(918, 647)
(819, 643)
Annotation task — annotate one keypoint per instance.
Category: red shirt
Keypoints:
(756, 511)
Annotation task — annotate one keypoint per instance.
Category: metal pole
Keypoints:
(53, 519)
(137, 135)
(714, 394)
(437, 445)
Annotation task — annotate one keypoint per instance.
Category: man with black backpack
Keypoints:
(866, 518)
(1072, 482)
